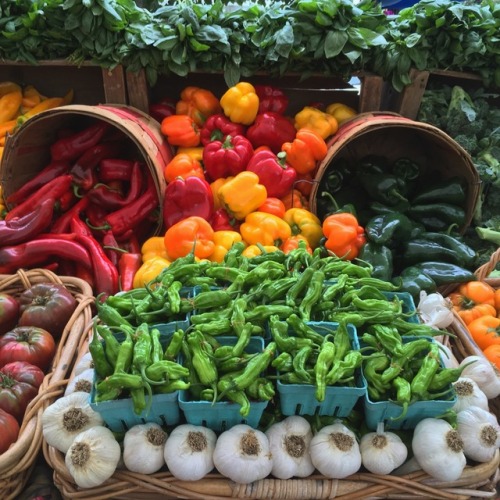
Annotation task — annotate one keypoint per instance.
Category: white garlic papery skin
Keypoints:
(64, 419)
(480, 433)
(189, 452)
(143, 448)
(93, 457)
(289, 441)
(81, 382)
(486, 376)
(84, 363)
(468, 394)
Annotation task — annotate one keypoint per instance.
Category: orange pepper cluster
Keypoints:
(243, 172)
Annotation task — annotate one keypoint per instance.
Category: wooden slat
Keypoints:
(138, 90)
(115, 89)
(370, 96)
(411, 97)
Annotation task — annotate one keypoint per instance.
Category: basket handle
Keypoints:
(484, 271)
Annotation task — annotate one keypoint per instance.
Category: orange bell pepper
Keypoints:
(305, 223)
(264, 228)
(322, 123)
(294, 242)
(240, 103)
(192, 234)
(485, 331)
(242, 194)
(273, 206)
(223, 241)
(149, 270)
(303, 153)
(254, 250)
(196, 153)
(295, 199)
(215, 186)
(304, 183)
(197, 103)
(345, 236)
(181, 130)
(183, 165)
(154, 247)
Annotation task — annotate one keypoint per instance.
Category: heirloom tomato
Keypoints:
(19, 383)
(48, 306)
(27, 343)
(10, 430)
(9, 312)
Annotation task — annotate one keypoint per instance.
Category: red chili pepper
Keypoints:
(36, 251)
(105, 273)
(133, 214)
(48, 173)
(66, 201)
(222, 221)
(95, 215)
(272, 130)
(53, 189)
(228, 158)
(217, 127)
(111, 199)
(162, 109)
(274, 173)
(185, 198)
(63, 223)
(84, 169)
(77, 226)
(111, 247)
(22, 229)
(129, 241)
(128, 266)
(70, 148)
(271, 99)
(114, 169)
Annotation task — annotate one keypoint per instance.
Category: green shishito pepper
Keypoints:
(380, 258)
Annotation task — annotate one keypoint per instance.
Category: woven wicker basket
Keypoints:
(18, 461)
(476, 481)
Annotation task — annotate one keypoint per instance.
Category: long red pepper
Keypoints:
(128, 266)
(62, 224)
(53, 189)
(48, 173)
(21, 229)
(114, 169)
(111, 247)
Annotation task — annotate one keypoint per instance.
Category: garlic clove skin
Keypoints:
(84, 363)
(81, 383)
(242, 454)
(435, 310)
(189, 452)
(483, 373)
(480, 433)
(143, 447)
(92, 457)
(67, 417)
(289, 441)
(438, 449)
(468, 394)
(335, 451)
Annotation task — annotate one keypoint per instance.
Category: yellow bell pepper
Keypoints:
(223, 240)
(305, 223)
(254, 250)
(215, 186)
(195, 153)
(264, 228)
(322, 123)
(149, 271)
(242, 194)
(341, 112)
(10, 104)
(154, 247)
(240, 103)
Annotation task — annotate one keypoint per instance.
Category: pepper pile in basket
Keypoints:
(84, 212)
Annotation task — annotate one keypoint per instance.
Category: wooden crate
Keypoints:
(324, 89)
(91, 83)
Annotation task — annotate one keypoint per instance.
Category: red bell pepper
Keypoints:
(217, 127)
(273, 171)
(223, 221)
(271, 99)
(163, 108)
(272, 130)
(185, 198)
(228, 158)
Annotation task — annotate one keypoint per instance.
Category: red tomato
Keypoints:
(48, 306)
(9, 312)
(19, 383)
(27, 343)
(10, 430)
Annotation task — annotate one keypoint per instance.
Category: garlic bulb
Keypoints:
(84, 363)
(483, 373)
(242, 454)
(67, 417)
(435, 310)
(480, 433)
(335, 451)
(189, 452)
(438, 449)
(81, 382)
(289, 442)
(447, 357)
(382, 452)
(93, 456)
(143, 447)
(468, 394)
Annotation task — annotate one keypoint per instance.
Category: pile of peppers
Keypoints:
(85, 213)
